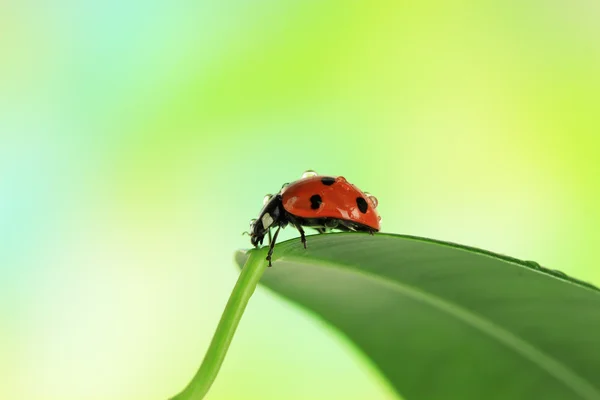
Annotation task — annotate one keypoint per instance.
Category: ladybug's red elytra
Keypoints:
(319, 202)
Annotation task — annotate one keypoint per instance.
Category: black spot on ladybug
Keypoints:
(362, 204)
(328, 180)
(315, 201)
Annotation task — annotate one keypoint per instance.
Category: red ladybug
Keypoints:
(319, 202)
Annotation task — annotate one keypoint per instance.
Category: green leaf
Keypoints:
(442, 321)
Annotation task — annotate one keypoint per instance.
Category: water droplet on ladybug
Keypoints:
(373, 199)
(309, 173)
(267, 198)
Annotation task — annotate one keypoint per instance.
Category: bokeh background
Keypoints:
(138, 138)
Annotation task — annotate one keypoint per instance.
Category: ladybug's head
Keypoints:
(271, 216)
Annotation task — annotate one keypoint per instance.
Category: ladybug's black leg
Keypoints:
(270, 238)
(302, 237)
(272, 245)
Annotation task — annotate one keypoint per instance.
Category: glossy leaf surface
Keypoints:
(443, 321)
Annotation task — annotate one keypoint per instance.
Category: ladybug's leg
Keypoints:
(272, 245)
(302, 237)
(270, 238)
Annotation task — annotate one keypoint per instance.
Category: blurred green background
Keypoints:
(138, 138)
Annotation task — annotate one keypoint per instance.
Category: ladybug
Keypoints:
(318, 202)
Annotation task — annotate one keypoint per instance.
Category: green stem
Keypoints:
(206, 374)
